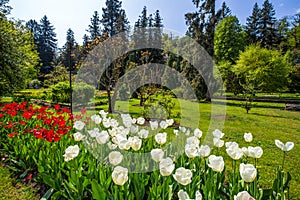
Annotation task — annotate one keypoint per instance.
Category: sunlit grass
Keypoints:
(10, 190)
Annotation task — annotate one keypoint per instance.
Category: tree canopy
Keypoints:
(18, 58)
(267, 70)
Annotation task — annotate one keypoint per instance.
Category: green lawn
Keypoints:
(10, 189)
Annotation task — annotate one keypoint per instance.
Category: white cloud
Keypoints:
(298, 10)
(281, 4)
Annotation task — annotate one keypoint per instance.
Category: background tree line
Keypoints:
(234, 48)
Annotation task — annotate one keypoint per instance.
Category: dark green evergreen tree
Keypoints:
(267, 31)
(111, 16)
(47, 45)
(201, 27)
(4, 8)
(94, 27)
(252, 25)
(223, 12)
(34, 27)
(69, 55)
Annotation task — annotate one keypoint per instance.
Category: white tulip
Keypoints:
(218, 142)
(79, 125)
(143, 133)
(124, 144)
(284, 147)
(245, 151)
(136, 143)
(191, 150)
(234, 152)
(96, 118)
(161, 138)
(153, 125)
(166, 166)
(170, 122)
(163, 124)
(198, 195)
(204, 151)
(231, 145)
(248, 172)
(182, 129)
(78, 136)
(126, 119)
(102, 137)
(134, 129)
(103, 114)
(255, 152)
(248, 137)
(115, 158)
(183, 176)
(244, 195)
(140, 120)
(216, 163)
(175, 132)
(112, 146)
(120, 175)
(183, 195)
(114, 123)
(93, 133)
(157, 154)
(193, 140)
(71, 152)
(218, 134)
(106, 122)
(198, 133)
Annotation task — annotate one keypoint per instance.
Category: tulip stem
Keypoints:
(283, 159)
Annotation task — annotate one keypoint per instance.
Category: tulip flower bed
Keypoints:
(125, 158)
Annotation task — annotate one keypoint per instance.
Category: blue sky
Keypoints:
(76, 14)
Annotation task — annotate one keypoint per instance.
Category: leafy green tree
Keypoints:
(252, 25)
(229, 40)
(267, 30)
(94, 28)
(294, 33)
(18, 57)
(266, 70)
(46, 45)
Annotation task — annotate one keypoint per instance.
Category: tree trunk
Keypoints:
(110, 108)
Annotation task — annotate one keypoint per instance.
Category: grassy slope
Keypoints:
(11, 191)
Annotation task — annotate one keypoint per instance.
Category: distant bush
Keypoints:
(82, 93)
(60, 92)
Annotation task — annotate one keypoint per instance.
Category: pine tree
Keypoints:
(94, 27)
(111, 18)
(46, 45)
(223, 12)
(4, 8)
(34, 27)
(252, 25)
(85, 40)
(201, 27)
(268, 33)
(69, 53)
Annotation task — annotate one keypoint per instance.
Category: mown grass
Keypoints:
(10, 189)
